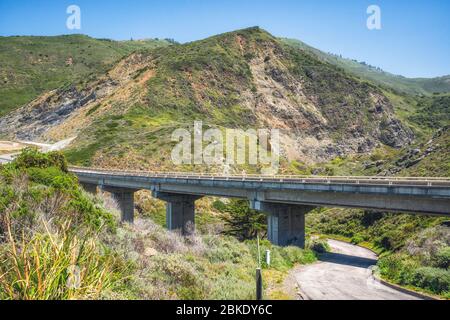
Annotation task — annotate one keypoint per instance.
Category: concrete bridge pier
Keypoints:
(285, 222)
(125, 200)
(89, 187)
(180, 211)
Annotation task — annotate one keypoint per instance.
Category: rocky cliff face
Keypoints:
(243, 79)
(45, 117)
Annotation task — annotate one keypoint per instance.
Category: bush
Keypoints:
(55, 266)
(318, 245)
(219, 205)
(282, 258)
(182, 275)
(32, 158)
(357, 239)
(405, 270)
(49, 245)
(442, 258)
(54, 177)
(434, 279)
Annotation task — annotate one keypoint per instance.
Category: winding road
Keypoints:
(18, 145)
(344, 274)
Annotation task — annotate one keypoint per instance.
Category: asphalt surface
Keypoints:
(344, 274)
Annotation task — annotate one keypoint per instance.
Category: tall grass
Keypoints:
(54, 265)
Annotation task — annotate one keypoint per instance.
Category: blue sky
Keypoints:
(414, 40)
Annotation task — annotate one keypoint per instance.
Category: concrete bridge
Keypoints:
(285, 199)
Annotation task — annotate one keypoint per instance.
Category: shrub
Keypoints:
(48, 233)
(318, 245)
(357, 239)
(54, 177)
(434, 279)
(391, 267)
(32, 158)
(282, 258)
(442, 258)
(219, 205)
(405, 270)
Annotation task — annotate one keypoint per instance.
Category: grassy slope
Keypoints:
(171, 102)
(207, 80)
(386, 79)
(30, 66)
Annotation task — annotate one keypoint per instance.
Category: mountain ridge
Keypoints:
(239, 79)
(421, 85)
(32, 65)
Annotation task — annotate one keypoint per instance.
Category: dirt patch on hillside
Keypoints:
(10, 147)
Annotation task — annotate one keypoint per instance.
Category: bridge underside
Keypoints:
(284, 203)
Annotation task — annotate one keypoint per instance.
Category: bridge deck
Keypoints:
(366, 180)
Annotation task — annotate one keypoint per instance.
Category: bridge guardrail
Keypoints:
(372, 180)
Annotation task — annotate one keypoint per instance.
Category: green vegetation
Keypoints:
(433, 112)
(415, 86)
(30, 66)
(49, 233)
(423, 263)
(211, 80)
(58, 242)
(241, 221)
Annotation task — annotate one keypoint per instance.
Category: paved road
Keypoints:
(344, 274)
(44, 147)
(5, 158)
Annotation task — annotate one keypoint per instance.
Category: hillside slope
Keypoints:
(29, 66)
(422, 86)
(241, 79)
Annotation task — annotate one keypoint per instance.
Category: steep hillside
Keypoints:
(240, 79)
(422, 86)
(30, 66)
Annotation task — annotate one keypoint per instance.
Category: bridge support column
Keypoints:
(180, 211)
(89, 187)
(125, 200)
(285, 222)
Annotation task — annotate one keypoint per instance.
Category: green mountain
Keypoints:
(29, 66)
(421, 86)
(122, 101)
(241, 79)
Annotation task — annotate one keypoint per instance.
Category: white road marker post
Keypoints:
(259, 284)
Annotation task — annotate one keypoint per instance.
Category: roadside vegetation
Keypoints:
(59, 242)
(414, 250)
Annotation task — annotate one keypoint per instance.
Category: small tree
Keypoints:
(243, 222)
(32, 158)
